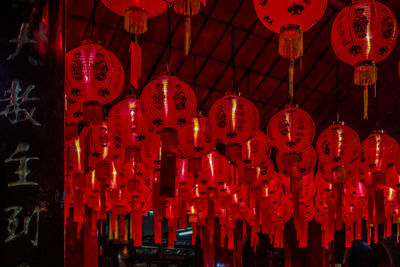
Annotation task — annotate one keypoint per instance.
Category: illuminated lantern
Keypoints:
(93, 74)
(126, 123)
(233, 120)
(291, 129)
(187, 8)
(363, 34)
(290, 19)
(337, 147)
(215, 169)
(168, 103)
(265, 171)
(195, 139)
(255, 149)
(379, 151)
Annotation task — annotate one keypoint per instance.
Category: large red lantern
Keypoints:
(337, 147)
(93, 74)
(363, 34)
(379, 151)
(234, 120)
(291, 130)
(290, 19)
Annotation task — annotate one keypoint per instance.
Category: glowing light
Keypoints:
(235, 198)
(196, 130)
(105, 152)
(114, 180)
(340, 141)
(165, 89)
(391, 195)
(288, 120)
(234, 106)
(211, 162)
(378, 150)
(249, 150)
(192, 210)
(266, 192)
(183, 170)
(78, 152)
(93, 179)
(368, 39)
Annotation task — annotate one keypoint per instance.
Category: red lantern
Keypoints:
(290, 19)
(379, 151)
(126, 123)
(363, 34)
(73, 111)
(195, 139)
(255, 149)
(93, 74)
(305, 165)
(337, 147)
(234, 120)
(168, 102)
(291, 129)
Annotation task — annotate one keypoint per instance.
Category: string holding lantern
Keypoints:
(188, 8)
(231, 124)
(290, 19)
(363, 34)
(94, 76)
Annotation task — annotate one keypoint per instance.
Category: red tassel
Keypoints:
(136, 63)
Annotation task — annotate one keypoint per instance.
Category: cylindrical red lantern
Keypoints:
(363, 34)
(290, 19)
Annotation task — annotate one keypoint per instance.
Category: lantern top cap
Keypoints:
(338, 123)
(288, 106)
(379, 132)
(91, 40)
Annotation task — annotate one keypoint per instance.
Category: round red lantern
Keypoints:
(363, 34)
(126, 123)
(93, 74)
(168, 102)
(379, 151)
(234, 120)
(73, 111)
(195, 139)
(305, 164)
(291, 129)
(290, 19)
(337, 147)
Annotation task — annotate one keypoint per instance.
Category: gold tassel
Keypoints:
(365, 74)
(291, 42)
(188, 35)
(291, 78)
(136, 20)
(366, 102)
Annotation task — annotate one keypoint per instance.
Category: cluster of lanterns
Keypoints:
(155, 153)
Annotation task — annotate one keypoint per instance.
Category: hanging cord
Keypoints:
(169, 38)
(233, 60)
(93, 19)
(338, 97)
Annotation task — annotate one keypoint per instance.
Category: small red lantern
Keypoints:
(234, 120)
(379, 151)
(363, 34)
(93, 74)
(305, 165)
(290, 19)
(337, 147)
(291, 130)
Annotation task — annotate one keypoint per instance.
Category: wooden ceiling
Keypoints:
(322, 87)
